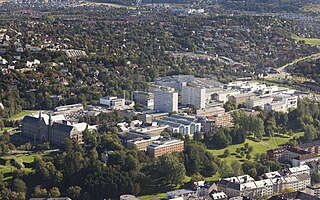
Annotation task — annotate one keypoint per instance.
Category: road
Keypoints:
(310, 57)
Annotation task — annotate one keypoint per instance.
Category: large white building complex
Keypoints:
(195, 96)
(166, 100)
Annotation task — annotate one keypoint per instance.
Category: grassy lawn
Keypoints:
(6, 168)
(258, 147)
(311, 41)
(148, 197)
(21, 114)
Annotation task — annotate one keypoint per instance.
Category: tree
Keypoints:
(236, 168)
(225, 169)
(310, 133)
(226, 153)
(19, 185)
(74, 192)
(54, 192)
(39, 192)
(315, 177)
(166, 171)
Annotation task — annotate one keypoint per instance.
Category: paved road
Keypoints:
(310, 57)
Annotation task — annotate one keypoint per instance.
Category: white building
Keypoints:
(112, 102)
(144, 98)
(303, 169)
(223, 96)
(195, 96)
(176, 81)
(254, 102)
(166, 100)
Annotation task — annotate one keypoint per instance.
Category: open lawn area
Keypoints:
(258, 147)
(21, 114)
(148, 197)
(6, 168)
(311, 41)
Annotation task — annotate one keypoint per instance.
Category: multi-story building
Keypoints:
(195, 96)
(144, 98)
(258, 101)
(69, 108)
(241, 98)
(112, 102)
(210, 111)
(303, 159)
(54, 129)
(312, 147)
(222, 120)
(165, 100)
(223, 96)
(272, 184)
(313, 190)
(141, 144)
(303, 169)
(183, 124)
(276, 153)
(176, 81)
(165, 145)
(277, 106)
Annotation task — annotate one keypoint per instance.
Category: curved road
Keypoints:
(310, 57)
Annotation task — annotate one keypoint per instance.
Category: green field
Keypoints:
(148, 197)
(21, 114)
(311, 41)
(6, 168)
(258, 147)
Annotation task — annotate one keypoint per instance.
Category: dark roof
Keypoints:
(229, 184)
(62, 127)
(298, 151)
(310, 144)
(30, 119)
(295, 195)
(303, 176)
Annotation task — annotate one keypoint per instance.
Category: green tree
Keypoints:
(19, 185)
(236, 168)
(315, 177)
(74, 192)
(39, 192)
(166, 171)
(54, 192)
(225, 170)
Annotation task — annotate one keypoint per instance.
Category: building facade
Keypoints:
(164, 145)
(166, 100)
(195, 96)
(144, 98)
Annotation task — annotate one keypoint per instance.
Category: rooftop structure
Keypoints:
(183, 124)
(164, 145)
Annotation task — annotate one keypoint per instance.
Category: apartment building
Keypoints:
(274, 183)
(222, 120)
(312, 147)
(195, 96)
(166, 100)
(165, 145)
